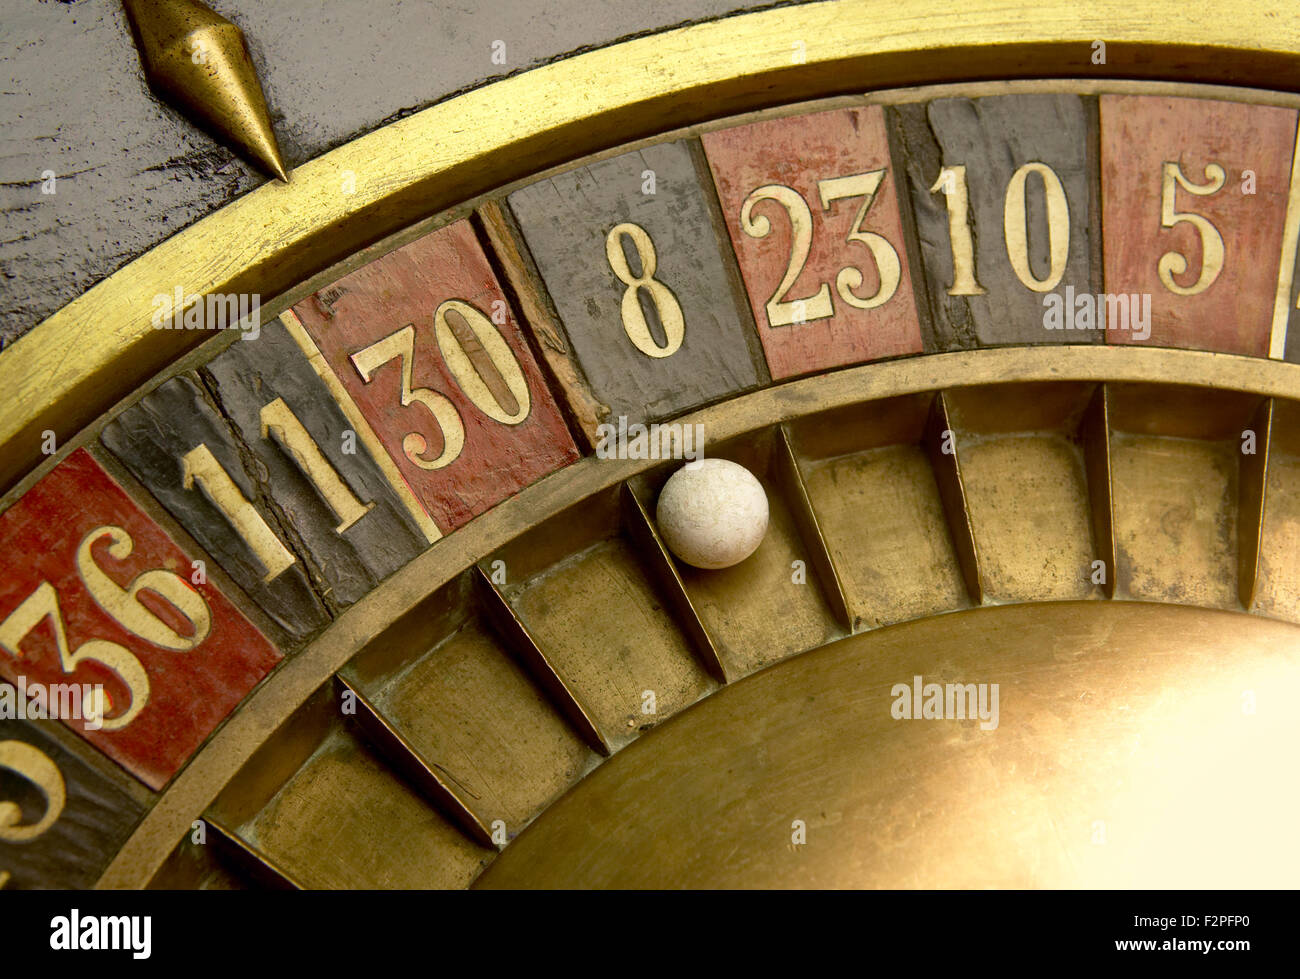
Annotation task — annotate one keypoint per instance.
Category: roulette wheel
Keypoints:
(331, 551)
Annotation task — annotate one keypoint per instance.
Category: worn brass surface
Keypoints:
(1252, 491)
(766, 607)
(380, 726)
(345, 820)
(875, 495)
(1175, 458)
(412, 610)
(881, 510)
(1029, 506)
(1123, 757)
(1277, 590)
(195, 868)
(756, 610)
(198, 59)
(944, 451)
(610, 636)
(470, 711)
(467, 687)
(787, 473)
(1175, 520)
(1026, 488)
(77, 363)
(659, 563)
(1094, 434)
(319, 807)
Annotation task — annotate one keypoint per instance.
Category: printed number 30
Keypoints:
(479, 359)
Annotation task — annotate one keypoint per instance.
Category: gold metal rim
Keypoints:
(102, 345)
(273, 702)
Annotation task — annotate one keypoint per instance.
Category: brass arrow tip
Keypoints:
(198, 60)
(269, 156)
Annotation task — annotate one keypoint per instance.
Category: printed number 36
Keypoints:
(125, 607)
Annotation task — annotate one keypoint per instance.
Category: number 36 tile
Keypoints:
(93, 592)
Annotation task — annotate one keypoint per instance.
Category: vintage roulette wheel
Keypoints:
(997, 302)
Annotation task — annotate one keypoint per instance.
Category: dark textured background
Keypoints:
(132, 172)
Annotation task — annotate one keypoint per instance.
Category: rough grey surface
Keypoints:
(993, 137)
(565, 222)
(250, 375)
(130, 171)
(151, 437)
(97, 817)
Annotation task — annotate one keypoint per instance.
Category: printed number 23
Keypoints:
(782, 311)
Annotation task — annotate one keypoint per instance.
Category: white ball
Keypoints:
(712, 516)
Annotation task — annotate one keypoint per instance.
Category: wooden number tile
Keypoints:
(93, 593)
(176, 442)
(318, 469)
(1194, 200)
(1007, 212)
(70, 819)
(811, 205)
(628, 251)
(425, 343)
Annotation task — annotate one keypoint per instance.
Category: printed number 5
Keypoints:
(35, 766)
(1173, 263)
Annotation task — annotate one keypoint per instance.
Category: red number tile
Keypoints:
(1169, 166)
(793, 193)
(425, 343)
(93, 592)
